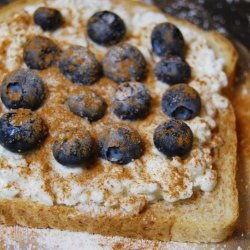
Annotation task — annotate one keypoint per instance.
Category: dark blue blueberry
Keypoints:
(132, 101)
(120, 144)
(124, 63)
(173, 138)
(80, 65)
(86, 103)
(21, 130)
(73, 147)
(173, 70)
(181, 102)
(40, 52)
(167, 39)
(22, 89)
(48, 18)
(106, 28)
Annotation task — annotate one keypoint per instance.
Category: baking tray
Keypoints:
(25, 238)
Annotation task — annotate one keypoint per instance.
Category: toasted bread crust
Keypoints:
(187, 221)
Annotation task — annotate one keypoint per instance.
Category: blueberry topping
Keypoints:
(120, 144)
(86, 103)
(40, 52)
(132, 101)
(73, 147)
(173, 138)
(181, 102)
(106, 28)
(124, 63)
(173, 70)
(21, 130)
(80, 65)
(22, 89)
(48, 18)
(167, 39)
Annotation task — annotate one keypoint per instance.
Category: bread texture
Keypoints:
(204, 218)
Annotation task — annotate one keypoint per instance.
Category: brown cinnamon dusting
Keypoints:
(41, 47)
(22, 116)
(186, 91)
(122, 66)
(57, 115)
(71, 135)
(84, 97)
(31, 119)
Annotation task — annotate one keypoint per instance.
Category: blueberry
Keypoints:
(181, 102)
(106, 28)
(173, 70)
(132, 101)
(124, 63)
(40, 52)
(73, 147)
(21, 130)
(80, 65)
(22, 89)
(173, 138)
(48, 18)
(167, 39)
(120, 144)
(86, 103)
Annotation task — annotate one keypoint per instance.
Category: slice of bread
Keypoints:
(205, 218)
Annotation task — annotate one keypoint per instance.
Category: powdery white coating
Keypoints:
(161, 171)
(207, 181)
(33, 187)
(153, 175)
(11, 159)
(197, 165)
(114, 186)
(62, 170)
(7, 177)
(30, 238)
(200, 128)
(73, 188)
(132, 206)
(97, 196)
(13, 183)
(219, 101)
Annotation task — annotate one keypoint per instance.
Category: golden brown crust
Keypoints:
(188, 220)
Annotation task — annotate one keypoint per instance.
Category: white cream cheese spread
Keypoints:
(151, 178)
